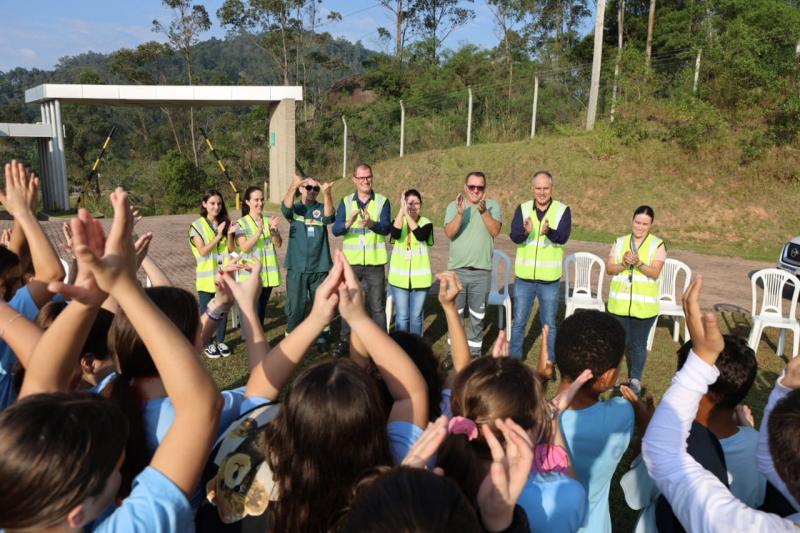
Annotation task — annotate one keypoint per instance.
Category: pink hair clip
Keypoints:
(460, 425)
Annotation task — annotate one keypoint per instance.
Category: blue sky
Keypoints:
(36, 33)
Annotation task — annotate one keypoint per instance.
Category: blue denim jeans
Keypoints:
(525, 292)
(408, 305)
(204, 298)
(636, 332)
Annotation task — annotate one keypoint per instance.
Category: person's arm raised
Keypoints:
(278, 365)
(22, 187)
(184, 449)
(449, 287)
(55, 356)
(288, 198)
(492, 224)
(401, 375)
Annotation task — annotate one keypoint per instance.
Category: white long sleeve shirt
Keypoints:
(699, 500)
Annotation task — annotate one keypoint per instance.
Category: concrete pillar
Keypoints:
(47, 179)
(281, 148)
(62, 190)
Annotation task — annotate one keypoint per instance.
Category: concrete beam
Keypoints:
(281, 149)
(37, 131)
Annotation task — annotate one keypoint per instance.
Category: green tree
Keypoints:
(435, 20)
(183, 182)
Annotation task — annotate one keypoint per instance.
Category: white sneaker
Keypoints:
(636, 386)
(224, 349)
(212, 352)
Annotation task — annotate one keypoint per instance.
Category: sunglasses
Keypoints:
(474, 188)
(310, 188)
(362, 178)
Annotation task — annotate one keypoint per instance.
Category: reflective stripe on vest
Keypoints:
(306, 221)
(206, 265)
(631, 292)
(263, 250)
(410, 263)
(362, 246)
(539, 258)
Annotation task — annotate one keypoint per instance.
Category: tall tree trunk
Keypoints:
(651, 20)
(398, 32)
(173, 129)
(620, 26)
(594, 90)
(191, 110)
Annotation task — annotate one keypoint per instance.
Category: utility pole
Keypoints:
(402, 127)
(594, 89)
(651, 20)
(344, 152)
(620, 26)
(535, 105)
(697, 71)
(469, 117)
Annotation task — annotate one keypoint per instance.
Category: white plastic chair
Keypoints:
(669, 300)
(583, 263)
(498, 297)
(771, 314)
(65, 266)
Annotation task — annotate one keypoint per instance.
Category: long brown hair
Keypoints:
(330, 430)
(488, 389)
(56, 450)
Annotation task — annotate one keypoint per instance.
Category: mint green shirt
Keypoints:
(473, 245)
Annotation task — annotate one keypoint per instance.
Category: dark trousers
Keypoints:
(205, 298)
(261, 305)
(300, 290)
(373, 282)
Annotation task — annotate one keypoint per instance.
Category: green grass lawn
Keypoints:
(232, 372)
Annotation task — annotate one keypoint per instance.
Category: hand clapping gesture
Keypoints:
(707, 341)
(460, 203)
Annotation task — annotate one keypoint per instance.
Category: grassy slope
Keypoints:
(704, 201)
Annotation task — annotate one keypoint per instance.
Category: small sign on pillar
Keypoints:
(273, 139)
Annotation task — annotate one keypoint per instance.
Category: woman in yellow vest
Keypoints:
(410, 274)
(258, 238)
(635, 262)
(209, 246)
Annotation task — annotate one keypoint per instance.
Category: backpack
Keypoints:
(237, 479)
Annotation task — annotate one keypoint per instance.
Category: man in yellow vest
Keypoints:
(540, 228)
(363, 218)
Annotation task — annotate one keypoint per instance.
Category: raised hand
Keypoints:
(642, 410)
(245, 293)
(221, 229)
(508, 474)
(274, 222)
(326, 299)
(297, 181)
(744, 416)
(326, 187)
(449, 287)
(460, 203)
(233, 228)
(87, 234)
(352, 219)
(791, 377)
(564, 398)
(66, 230)
(545, 227)
(142, 245)
(482, 206)
(500, 348)
(351, 294)
(544, 368)
(366, 221)
(528, 225)
(707, 341)
(21, 190)
(5, 237)
(424, 449)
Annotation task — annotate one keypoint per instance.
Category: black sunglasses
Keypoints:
(310, 188)
(478, 188)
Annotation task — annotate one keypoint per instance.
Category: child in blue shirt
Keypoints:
(597, 432)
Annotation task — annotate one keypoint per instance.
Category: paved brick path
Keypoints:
(726, 278)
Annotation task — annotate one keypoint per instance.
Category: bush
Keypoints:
(694, 122)
(784, 122)
(183, 182)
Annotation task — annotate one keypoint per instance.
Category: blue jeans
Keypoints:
(636, 332)
(204, 298)
(525, 292)
(408, 305)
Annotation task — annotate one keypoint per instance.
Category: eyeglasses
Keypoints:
(310, 188)
(413, 204)
(362, 178)
(478, 188)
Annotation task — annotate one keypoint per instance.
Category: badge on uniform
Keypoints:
(310, 231)
(316, 213)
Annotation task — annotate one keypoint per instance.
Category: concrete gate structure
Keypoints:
(280, 100)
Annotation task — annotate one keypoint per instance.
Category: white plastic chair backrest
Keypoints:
(773, 281)
(65, 264)
(669, 280)
(507, 269)
(584, 263)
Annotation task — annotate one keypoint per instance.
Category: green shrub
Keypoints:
(694, 122)
(784, 122)
(183, 182)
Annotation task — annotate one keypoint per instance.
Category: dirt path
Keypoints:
(726, 278)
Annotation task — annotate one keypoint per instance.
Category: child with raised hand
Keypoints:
(699, 500)
(597, 432)
(24, 301)
(60, 453)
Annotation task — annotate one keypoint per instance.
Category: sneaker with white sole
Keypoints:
(212, 352)
(224, 349)
(636, 386)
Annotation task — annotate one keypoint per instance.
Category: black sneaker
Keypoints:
(341, 350)
(212, 352)
(224, 349)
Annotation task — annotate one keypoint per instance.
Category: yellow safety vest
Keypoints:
(263, 250)
(538, 258)
(631, 293)
(362, 246)
(206, 265)
(410, 263)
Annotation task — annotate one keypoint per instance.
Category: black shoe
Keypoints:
(341, 350)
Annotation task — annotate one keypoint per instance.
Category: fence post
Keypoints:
(344, 151)
(535, 105)
(402, 127)
(469, 117)
(696, 71)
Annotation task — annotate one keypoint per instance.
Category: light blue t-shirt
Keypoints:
(554, 502)
(596, 438)
(22, 302)
(402, 436)
(155, 505)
